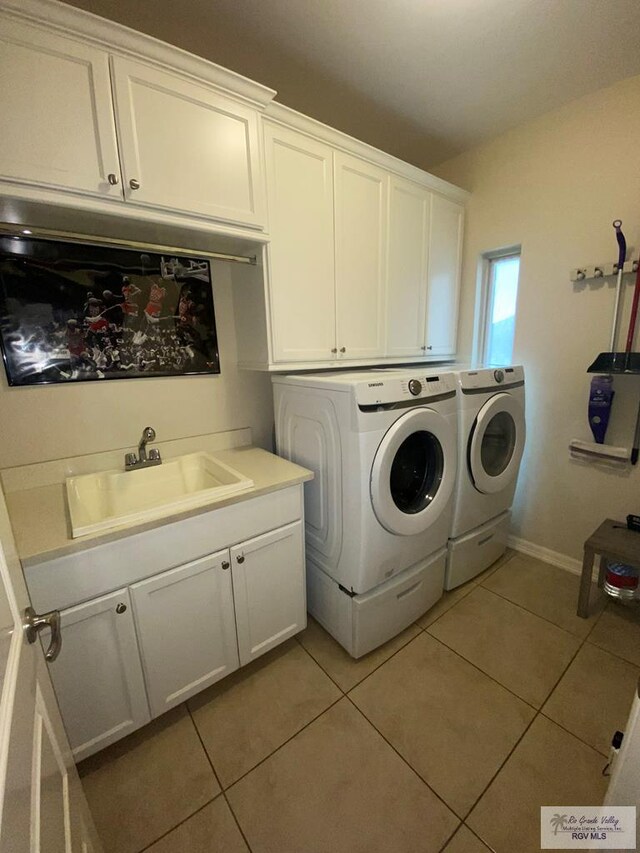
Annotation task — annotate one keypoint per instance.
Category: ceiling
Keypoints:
(421, 79)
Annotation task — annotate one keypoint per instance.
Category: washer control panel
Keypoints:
(383, 389)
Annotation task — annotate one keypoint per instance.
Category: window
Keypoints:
(499, 315)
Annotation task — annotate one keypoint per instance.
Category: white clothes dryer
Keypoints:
(491, 439)
(383, 447)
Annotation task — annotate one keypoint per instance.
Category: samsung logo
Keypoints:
(375, 384)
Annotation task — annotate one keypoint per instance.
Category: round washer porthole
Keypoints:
(413, 472)
(496, 444)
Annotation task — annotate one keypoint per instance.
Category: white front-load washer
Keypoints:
(491, 438)
(383, 447)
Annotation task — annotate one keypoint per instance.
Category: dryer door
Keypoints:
(496, 443)
(413, 472)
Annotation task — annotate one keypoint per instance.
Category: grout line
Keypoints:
(546, 715)
(404, 760)
(184, 820)
(364, 677)
(481, 840)
(215, 775)
(284, 743)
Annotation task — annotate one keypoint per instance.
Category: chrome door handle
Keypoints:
(240, 558)
(113, 179)
(33, 623)
(135, 185)
(225, 565)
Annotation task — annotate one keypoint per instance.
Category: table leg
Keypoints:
(585, 583)
(602, 571)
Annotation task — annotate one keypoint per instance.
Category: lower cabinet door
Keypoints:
(186, 629)
(269, 590)
(98, 676)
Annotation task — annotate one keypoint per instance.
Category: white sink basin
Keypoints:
(112, 498)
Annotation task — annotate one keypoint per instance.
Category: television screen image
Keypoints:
(75, 312)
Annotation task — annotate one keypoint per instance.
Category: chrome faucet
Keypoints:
(131, 461)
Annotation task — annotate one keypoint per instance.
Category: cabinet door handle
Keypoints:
(113, 179)
(225, 565)
(135, 185)
(424, 348)
(334, 349)
(121, 608)
(343, 349)
(240, 558)
(33, 623)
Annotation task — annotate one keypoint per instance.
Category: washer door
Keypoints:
(413, 472)
(496, 443)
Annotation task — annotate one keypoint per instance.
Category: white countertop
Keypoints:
(40, 516)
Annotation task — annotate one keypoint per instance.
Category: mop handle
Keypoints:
(622, 254)
(634, 310)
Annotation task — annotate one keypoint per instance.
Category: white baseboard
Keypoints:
(545, 554)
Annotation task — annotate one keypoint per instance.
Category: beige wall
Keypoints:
(554, 185)
(56, 421)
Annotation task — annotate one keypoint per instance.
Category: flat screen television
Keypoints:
(73, 312)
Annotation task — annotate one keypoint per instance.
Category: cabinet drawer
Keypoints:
(67, 580)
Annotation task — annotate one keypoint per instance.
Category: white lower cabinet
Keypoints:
(98, 677)
(186, 629)
(269, 590)
(134, 653)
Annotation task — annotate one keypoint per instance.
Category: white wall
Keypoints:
(56, 421)
(554, 185)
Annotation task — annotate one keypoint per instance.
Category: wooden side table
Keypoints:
(613, 542)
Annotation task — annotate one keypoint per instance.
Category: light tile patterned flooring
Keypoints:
(450, 737)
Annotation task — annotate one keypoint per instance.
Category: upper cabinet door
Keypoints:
(361, 194)
(409, 214)
(185, 147)
(56, 117)
(302, 288)
(445, 257)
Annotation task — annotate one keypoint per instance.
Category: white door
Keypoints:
(186, 629)
(269, 590)
(445, 258)
(42, 805)
(361, 194)
(496, 444)
(98, 675)
(185, 147)
(301, 262)
(407, 267)
(56, 116)
(413, 472)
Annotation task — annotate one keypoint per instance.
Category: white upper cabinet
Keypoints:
(361, 192)
(56, 118)
(185, 147)
(443, 292)
(300, 206)
(407, 269)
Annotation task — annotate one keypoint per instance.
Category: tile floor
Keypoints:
(448, 738)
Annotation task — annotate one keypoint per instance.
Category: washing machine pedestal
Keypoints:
(476, 550)
(361, 623)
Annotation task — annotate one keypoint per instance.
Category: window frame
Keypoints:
(486, 297)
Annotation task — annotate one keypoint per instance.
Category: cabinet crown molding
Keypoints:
(77, 23)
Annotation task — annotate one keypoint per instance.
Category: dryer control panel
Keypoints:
(415, 387)
(488, 378)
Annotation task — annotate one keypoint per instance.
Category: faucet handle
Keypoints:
(154, 455)
(130, 460)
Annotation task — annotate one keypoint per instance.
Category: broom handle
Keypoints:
(634, 311)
